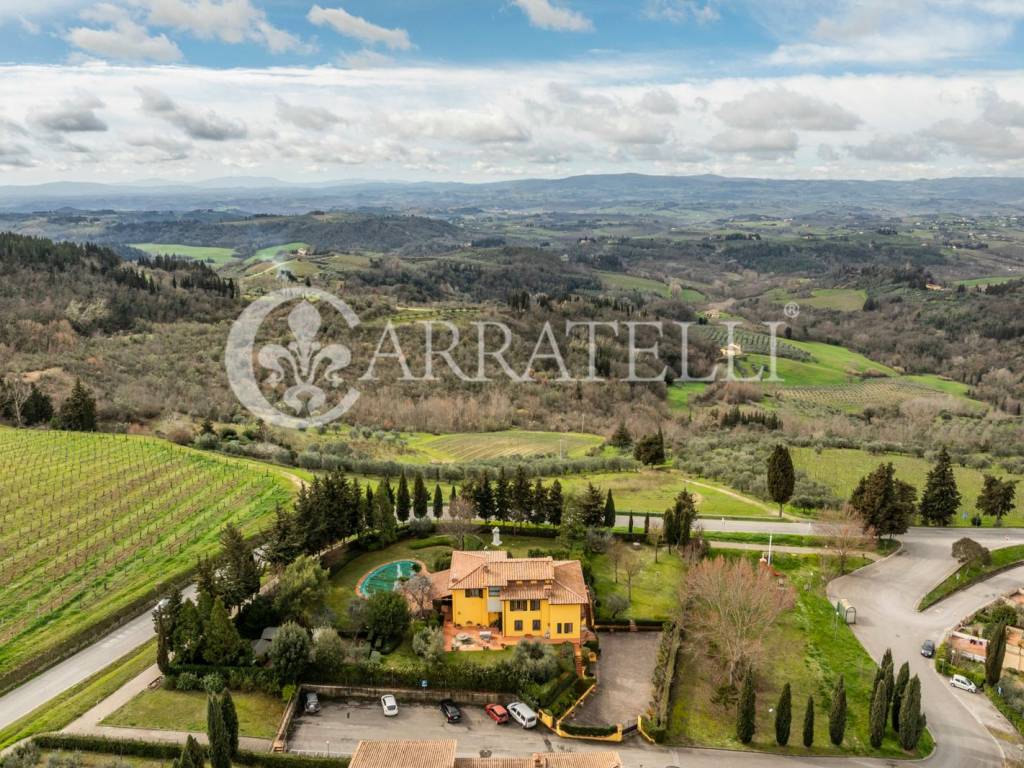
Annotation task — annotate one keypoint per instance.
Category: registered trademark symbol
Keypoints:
(791, 310)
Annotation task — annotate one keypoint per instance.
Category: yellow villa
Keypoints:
(536, 597)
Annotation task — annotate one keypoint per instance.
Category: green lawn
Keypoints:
(981, 282)
(966, 575)
(806, 648)
(842, 468)
(75, 702)
(655, 588)
(266, 254)
(840, 299)
(680, 393)
(259, 715)
(199, 252)
(475, 446)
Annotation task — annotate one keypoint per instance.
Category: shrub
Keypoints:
(289, 652)
(213, 684)
(328, 651)
(189, 681)
(428, 644)
(588, 730)
(421, 527)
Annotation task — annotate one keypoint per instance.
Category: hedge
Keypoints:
(236, 678)
(661, 682)
(168, 751)
(588, 730)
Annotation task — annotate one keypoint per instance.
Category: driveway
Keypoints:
(624, 671)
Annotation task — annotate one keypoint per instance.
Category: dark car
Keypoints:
(451, 711)
(927, 649)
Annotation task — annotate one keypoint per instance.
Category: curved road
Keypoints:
(884, 593)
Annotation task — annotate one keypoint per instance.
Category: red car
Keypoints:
(497, 713)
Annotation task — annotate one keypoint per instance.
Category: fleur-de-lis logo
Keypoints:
(304, 364)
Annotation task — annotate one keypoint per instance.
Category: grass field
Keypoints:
(841, 469)
(259, 715)
(680, 394)
(199, 252)
(625, 282)
(981, 282)
(806, 648)
(496, 445)
(92, 523)
(654, 490)
(266, 254)
(839, 299)
(75, 702)
(655, 588)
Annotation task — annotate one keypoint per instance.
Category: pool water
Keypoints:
(383, 578)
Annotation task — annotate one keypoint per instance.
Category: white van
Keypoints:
(522, 714)
(961, 682)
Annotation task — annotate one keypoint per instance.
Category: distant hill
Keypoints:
(709, 194)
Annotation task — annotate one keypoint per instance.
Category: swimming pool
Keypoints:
(383, 578)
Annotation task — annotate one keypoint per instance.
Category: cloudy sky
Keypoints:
(183, 90)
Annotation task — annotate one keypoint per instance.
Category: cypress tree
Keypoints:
(837, 713)
(217, 734)
(781, 476)
(809, 723)
(876, 718)
(222, 644)
(941, 498)
(647, 524)
(227, 709)
(995, 654)
(420, 498)
(784, 716)
(539, 513)
(403, 504)
(78, 412)
(746, 711)
(609, 510)
(630, 528)
(912, 721)
(554, 503)
(438, 502)
(191, 755)
(897, 694)
(889, 685)
(502, 496)
(686, 515)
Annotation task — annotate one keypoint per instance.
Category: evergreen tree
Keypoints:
(941, 498)
(222, 644)
(227, 708)
(239, 574)
(438, 502)
(403, 504)
(837, 713)
(539, 513)
(520, 496)
(384, 521)
(809, 723)
(784, 716)
(884, 504)
(592, 507)
(187, 640)
(217, 735)
(78, 412)
(207, 586)
(670, 527)
(877, 717)
(995, 653)
(555, 503)
(781, 476)
(37, 409)
(284, 540)
(192, 755)
(685, 509)
(484, 497)
(650, 450)
(609, 510)
(621, 438)
(647, 524)
(996, 498)
(912, 720)
(897, 694)
(502, 496)
(420, 498)
(746, 711)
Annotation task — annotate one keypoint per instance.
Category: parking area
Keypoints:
(341, 724)
(624, 672)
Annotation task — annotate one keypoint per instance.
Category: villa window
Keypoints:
(517, 605)
(494, 591)
(474, 593)
(536, 625)
(535, 605)
(518, 625)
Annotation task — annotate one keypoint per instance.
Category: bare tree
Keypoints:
(17, 391)
(461, 519)
(729, 605)
(843, 532)
(419, 590)
(617, 552)
(654, 537)
(632, 564)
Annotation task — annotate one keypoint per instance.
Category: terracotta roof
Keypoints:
(560, 581)
(545, 760)
(439, 585)
(404, 754)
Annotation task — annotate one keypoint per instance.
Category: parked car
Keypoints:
(389, 704)
(497, 713)
(312, 705)
(451, 711)
(928, 649)
(961, 682)
(522, 714)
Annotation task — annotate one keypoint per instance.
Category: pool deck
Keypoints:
(365, 576)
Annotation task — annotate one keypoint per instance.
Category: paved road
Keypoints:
(87, 662)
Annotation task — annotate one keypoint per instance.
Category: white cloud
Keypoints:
(231, 21)
(678, 11)
(359, 28)
(74, 115)
(308, 117)
(545, 15)
(783, 108)
(123, 40)
(203, 126)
